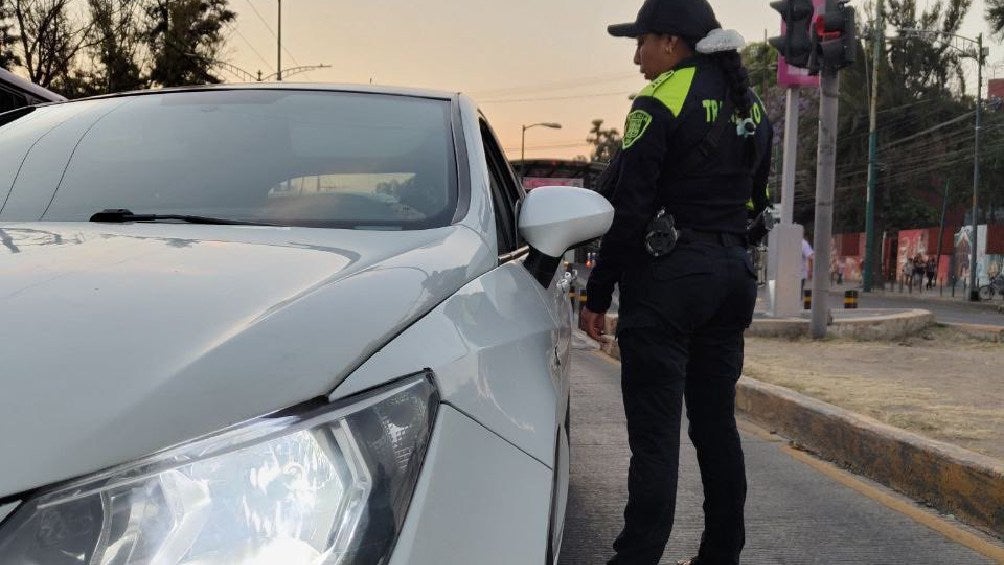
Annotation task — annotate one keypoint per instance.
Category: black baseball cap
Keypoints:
(686, 18)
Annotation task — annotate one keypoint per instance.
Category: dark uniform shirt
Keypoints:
(668, 119)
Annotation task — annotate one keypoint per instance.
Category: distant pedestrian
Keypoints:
(932, 271)
(807, 254)
(841, 264)
(918, 270)
(908, 272)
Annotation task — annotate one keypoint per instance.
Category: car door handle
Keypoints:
(565, 283)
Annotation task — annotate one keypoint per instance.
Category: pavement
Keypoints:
(957, 482)
(800, 510)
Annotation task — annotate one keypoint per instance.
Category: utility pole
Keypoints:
(877, 44)
(826, 164)
(795, 47)
(941, 232)
(278, 48)
(836, 36)
(974, 291)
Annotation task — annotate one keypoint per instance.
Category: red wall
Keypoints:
(995, 239)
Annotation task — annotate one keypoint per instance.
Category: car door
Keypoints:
(507, 194)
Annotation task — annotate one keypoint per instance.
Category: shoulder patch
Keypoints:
(635, 126)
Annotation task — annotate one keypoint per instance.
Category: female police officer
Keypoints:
(691, 173)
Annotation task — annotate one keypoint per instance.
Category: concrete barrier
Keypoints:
(862, 324)
(947, 477)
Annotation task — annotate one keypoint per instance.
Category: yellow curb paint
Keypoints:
(752, 429)
(940, 525)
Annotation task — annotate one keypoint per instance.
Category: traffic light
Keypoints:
(835, 35)
(796, 44)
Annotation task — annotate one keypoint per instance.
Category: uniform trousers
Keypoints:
(680, 333)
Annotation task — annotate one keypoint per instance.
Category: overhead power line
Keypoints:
(564, 84)
(270, 30)
(545, 98)
(253, 50)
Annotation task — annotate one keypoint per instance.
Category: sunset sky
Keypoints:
(524, 61)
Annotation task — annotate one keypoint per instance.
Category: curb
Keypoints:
(945, 476)
(886, 327)
(978, 331)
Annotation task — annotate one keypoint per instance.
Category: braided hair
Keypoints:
(739, 80)
(731, 63)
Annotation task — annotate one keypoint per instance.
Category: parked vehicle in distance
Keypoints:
(16, 92)
(280, 324)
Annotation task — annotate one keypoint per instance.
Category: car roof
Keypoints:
(320, 87)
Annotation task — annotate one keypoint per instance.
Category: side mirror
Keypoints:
(553, 219)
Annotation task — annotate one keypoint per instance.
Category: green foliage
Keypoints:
(925, 124)
(118, 37)
(8, 38)
(995, 16)
(82, 48)
(185, 38)
(605, 142)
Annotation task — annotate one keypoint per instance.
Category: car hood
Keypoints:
(118, 341)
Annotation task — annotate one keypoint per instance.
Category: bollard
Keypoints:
(807, 299)
(850, 299)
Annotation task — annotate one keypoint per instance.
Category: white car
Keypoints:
(280, 324)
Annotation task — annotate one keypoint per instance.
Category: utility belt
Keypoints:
(662, 236)
(725, 239)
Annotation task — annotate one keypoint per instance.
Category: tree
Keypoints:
(924, 126)
(49, 40)
(185, 38)
(995, 16)
(926, 66)
(605, 142)
(118, 39)
(8, 38)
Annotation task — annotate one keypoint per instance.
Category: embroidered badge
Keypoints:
(635, 126)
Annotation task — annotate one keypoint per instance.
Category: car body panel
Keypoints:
(492, 348)
(160, 333)
(479, 500)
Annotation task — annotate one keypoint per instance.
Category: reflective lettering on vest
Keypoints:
(711, 108)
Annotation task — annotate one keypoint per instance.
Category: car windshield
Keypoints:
(284, 157)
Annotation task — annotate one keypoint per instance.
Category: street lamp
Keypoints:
(980, 54)
(522, 147)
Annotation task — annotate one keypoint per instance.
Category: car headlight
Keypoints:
(327, 485)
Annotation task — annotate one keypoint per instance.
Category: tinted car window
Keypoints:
(297, 158)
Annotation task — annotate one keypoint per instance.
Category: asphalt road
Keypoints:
(799, 511)
(945, 311)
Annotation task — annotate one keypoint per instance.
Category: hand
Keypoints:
(592, 323)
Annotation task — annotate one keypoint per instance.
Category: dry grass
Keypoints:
(941, 384)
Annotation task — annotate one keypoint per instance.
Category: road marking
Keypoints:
(951, 531)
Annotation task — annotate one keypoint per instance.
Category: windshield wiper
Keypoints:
(121, 215)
